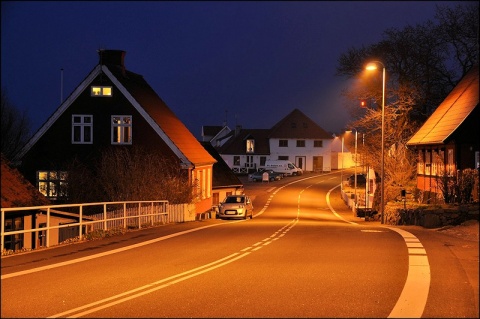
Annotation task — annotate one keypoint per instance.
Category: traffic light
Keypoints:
(363, 103)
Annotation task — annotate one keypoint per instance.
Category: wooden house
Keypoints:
(448, 142)
(113, 108)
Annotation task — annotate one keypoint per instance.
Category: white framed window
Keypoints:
(121, 129)
(101, 91)
(82, 129)
(52, 184)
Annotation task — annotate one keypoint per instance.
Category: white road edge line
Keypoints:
(413, 299)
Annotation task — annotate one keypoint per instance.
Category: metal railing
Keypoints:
(41, 226)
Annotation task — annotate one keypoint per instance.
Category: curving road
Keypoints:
(302, 255)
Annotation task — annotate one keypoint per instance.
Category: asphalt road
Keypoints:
(303, 255)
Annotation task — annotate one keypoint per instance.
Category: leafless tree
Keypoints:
(15, 129)
(423, 63)
(130, 174)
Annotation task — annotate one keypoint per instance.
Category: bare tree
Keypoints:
(423, 64)
(15, 130)
(135, 173)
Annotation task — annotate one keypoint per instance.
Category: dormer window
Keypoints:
(250, 146)
(101, 91)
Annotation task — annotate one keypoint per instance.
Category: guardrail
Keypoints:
(43, 226)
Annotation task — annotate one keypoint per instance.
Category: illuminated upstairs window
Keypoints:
(250, 146)
(121, 129)
(101, 91)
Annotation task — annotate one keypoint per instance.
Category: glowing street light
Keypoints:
(373, 66)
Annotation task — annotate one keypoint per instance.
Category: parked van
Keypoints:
(283, 166)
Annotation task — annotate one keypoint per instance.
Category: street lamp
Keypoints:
(355, 162)
(373, 66)
(341, 174)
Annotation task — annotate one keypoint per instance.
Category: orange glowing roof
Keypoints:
(448, 116)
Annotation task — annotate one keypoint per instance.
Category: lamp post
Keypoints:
(355, 167)
(373, 66)
(341, 174)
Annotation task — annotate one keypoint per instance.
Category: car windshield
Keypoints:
(235, 199)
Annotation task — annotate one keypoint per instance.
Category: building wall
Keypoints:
(307, 152)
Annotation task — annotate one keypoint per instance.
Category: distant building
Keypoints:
(295, 138)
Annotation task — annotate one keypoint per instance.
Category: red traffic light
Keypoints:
(363, 103)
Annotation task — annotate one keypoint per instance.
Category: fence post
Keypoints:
(48, 228)
(80, 220)
(125, 215)
(105, 217)
(139, 214)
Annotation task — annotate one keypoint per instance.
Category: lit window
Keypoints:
(82, 129)
(52, 184)
(121, 129)
(421, 163)
(101, 91)
(450, 164)
(318, 143)
(250, 146)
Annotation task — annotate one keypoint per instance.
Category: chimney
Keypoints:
(112, 57)
(237, 129)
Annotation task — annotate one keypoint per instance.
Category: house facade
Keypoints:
(295, 138)
(113, 108)
(225, 182)
(448, 142)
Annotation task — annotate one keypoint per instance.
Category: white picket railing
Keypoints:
(43, 226)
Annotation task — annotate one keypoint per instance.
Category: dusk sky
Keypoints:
(247, 63)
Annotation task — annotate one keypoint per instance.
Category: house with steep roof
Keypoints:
(113, 108)
(295, 138)
(448, 142)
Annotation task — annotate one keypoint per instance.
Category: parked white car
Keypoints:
(235, 206)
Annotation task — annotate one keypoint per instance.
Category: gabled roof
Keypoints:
(237, 143)
(144, 99)
(297, 125)
(451, 113)
(223, 175)
(16, 191)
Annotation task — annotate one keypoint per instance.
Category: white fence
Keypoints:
(24, 228)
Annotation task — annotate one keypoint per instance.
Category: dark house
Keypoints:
(113, 108)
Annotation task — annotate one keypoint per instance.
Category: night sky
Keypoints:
(244, 63)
